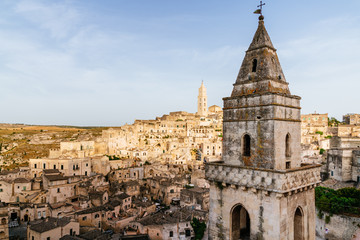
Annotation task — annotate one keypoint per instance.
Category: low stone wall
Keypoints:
(339, 227)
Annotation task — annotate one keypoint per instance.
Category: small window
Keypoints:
(54, 166)
(44, 165)
(287, 145)
(246, 145)
(288, 165)
(58, 190)
(62, 167)
(84, 218)
(35, 165)
(254, 65)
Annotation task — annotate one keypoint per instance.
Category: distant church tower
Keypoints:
(202, 101)
(260, 190)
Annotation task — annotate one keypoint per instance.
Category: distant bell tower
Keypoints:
(260, 190)
(202, 101)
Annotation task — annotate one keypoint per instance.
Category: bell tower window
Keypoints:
(246, 145)
(254, 65)
(287, 146)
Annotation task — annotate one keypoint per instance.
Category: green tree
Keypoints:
(199, 228)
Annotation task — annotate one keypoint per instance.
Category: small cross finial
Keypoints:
(259, 10)
(260, 6)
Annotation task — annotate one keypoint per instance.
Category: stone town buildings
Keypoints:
(52, 228)
(351, 119)
(195, 197)
(171, 225)
(4, 222)
(343, 159)
(260, 190)
(311, 126)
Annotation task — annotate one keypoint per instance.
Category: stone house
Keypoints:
(91, 217)
(4, 221)
(30, 211)
(52, 228)
(98, 198)
(125, 200)
(6, 190)
(62, 209)
(15, 173)
(171, 226)
(132, 173)
(342, 159)
(69, 167)
(58, 188)
(132, 188)
(21, 184)
(351, 119)
(167, 189)
(196, 197)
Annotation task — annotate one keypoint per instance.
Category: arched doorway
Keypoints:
(26, 218)
(240, 223)
(299, 224)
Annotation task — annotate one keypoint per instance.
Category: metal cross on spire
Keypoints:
(260, 6)
(259, 11)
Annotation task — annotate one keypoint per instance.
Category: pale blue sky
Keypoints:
(106, 63)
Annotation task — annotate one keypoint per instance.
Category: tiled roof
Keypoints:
(48, 224)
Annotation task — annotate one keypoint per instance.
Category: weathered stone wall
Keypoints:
(339, 227)
(340, 164)
(267, 119)
(271, 215)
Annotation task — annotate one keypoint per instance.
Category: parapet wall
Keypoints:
(279, 181)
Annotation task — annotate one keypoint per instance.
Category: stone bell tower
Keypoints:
(202, 101)
(260, 190)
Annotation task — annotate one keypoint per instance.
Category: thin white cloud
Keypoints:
(58, 18)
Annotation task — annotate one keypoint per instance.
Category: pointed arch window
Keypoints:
(287, 145)
(246, 145)
(254, 65)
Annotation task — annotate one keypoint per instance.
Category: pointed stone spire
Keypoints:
(261, 38)
(260, 70)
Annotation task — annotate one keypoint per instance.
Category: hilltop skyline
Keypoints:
(89, 63)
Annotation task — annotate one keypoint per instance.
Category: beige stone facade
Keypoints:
(351, 118)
